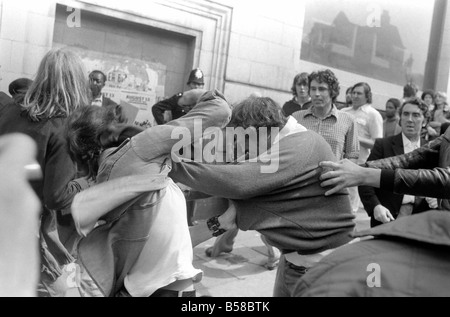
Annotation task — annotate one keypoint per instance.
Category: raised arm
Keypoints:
(211, 110)
(160, 107)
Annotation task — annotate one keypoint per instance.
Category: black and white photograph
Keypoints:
(227, 152)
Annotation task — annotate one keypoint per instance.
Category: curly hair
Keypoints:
(327, 77)
(84, 126)
(90, 130)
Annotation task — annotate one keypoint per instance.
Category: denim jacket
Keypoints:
(109, 251)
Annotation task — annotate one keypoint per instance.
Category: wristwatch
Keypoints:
(214, 226)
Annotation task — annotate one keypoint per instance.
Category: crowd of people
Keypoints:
(113, 203)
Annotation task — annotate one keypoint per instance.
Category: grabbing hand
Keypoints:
(343, 174)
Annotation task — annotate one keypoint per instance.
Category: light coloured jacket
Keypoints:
(133, 178)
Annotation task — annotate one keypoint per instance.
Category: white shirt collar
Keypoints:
(409, 146)
(292, 126)
(97, 101)
(364, 108)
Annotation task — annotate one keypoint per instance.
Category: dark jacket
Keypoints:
(56, 189)
(170, 104)
(371, 197)
(292, 106)
(423, 172)
(409, 257)
(5, 100)
(287, 206)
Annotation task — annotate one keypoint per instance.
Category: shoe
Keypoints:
(214, 252)
(272, 263)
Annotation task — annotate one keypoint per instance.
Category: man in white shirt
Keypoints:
(370, 127)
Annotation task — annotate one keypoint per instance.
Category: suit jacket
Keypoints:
(370, 196)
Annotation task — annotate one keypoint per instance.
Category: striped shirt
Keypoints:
(338, 129)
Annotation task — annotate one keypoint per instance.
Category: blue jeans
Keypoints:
(287, 277)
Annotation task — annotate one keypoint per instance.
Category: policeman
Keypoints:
(173, 104)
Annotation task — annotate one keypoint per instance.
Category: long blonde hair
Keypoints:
(60, 86)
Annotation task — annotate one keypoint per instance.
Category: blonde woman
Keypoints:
(59, 87)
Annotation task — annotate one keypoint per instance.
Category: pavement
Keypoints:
(241, 273)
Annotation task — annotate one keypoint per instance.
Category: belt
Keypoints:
(308, 261)
(170, 293)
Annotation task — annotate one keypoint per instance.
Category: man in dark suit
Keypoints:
(385, 206)
(97, 80)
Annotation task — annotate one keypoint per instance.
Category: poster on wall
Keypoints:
(385, 40)
(129, 81)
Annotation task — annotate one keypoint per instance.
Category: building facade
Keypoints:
(147, 48)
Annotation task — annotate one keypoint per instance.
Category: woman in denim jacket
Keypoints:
(137, 240)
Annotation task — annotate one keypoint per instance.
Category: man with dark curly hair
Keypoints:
(337, 127)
